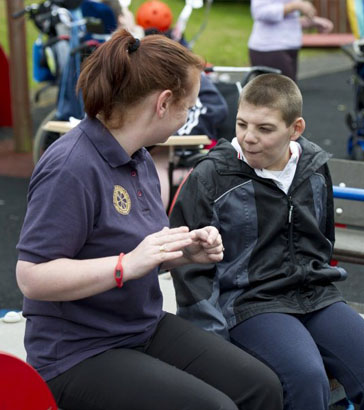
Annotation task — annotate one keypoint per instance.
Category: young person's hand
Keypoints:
(207, 246)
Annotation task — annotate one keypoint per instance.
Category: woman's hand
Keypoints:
(307, 9)
(164, 247)
(322, 24)
(173, 247)
(207, 246)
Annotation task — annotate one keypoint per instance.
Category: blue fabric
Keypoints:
(299, 348)
(41, 72)
(101, 11)
(69, 104)
(359, 8)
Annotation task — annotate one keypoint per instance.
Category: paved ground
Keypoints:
(327, 98)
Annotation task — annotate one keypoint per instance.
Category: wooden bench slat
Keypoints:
(349, 244)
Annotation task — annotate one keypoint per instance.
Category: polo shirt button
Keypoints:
(133, 173)
(139, 193)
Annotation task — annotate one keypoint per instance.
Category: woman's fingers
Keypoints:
(168, 240)
(171, 231)
(170, 245)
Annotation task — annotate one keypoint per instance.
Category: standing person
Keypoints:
(276, 37)
(269, 193)
(94, 237)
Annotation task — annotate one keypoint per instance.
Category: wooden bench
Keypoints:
(327, 40)
(349, 214)
(349, 229)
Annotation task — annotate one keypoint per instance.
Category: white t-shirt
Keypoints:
(283, 178)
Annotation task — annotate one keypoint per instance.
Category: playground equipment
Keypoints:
(69, 30)
(21, 387)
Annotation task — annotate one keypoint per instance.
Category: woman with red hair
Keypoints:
(95, 237)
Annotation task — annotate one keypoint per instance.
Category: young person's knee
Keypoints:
(312, 376)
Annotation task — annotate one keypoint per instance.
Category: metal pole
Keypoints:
(20, 99)
(354, 194)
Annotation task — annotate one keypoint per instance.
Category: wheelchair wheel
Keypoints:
(43, 139)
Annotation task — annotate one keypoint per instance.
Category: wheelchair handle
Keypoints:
(253, 69)
(26, 10)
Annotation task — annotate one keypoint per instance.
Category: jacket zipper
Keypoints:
(290, 228)
(291, 249)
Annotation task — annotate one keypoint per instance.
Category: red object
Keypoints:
(327, 40)
(21, 387)
(154, 14)
(178, 191)
(211, 145)
(119, 272)
(5, 100)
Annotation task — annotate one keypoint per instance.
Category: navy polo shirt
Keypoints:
(88, 199)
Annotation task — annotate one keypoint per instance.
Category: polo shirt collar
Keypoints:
(106, 144)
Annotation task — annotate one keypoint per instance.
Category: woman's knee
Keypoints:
(218, 402)
(251, 383)
(204, 396)
(267, 390)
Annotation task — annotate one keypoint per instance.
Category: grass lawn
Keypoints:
(223, 42)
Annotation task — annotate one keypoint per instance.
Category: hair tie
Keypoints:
(134, 46)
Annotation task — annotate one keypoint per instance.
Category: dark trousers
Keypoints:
(284, 60)
(182, 367)
(298, 348)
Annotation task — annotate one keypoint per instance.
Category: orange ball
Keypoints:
(154, 14)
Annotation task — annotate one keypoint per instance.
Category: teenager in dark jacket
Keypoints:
(269, 193)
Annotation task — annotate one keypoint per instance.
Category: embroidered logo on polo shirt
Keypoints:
(121, 200)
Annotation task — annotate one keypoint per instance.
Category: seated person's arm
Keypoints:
(197, 287)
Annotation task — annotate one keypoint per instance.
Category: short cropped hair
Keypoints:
(122, 71)
(277, 92)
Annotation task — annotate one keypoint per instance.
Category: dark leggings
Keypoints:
(183, 367)
(284, 60)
